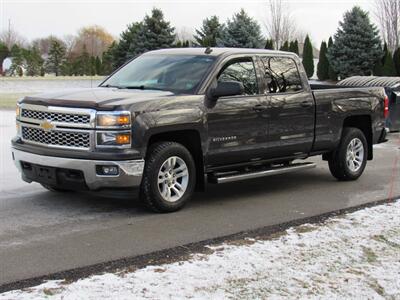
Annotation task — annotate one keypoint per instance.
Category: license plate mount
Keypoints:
(46, 175)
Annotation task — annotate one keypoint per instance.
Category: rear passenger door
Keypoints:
(290, 107)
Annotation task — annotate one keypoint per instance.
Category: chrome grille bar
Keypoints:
(57, 138)
(59, 116)
(53, 116)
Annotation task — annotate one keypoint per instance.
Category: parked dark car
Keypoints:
(171, 120)
(392, 89)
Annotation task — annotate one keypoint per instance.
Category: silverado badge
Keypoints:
(47, 125)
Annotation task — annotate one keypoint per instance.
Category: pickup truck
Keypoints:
(170, 121)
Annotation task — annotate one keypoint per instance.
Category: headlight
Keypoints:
(113, 119)
(113, 139)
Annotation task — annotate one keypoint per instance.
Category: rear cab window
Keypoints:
(280, 75)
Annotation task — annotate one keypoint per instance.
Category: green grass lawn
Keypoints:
(8, 101)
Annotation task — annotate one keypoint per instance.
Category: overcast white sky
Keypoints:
(33, 18)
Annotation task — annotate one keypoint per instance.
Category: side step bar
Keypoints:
(224, 178)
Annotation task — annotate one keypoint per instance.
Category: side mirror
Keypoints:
(226, 88)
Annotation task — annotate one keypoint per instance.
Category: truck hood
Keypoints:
(99, 98)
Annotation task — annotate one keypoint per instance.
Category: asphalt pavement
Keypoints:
(43, 232)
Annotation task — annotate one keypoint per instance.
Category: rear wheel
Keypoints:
(350, 158)
(169, 177)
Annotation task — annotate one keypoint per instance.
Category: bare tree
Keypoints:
(94, 38)
(11, 37)
(43, 44)
(184, 34)
(387, 13)
(70, 42)
(280, 25)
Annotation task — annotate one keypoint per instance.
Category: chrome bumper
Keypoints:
(130, 171)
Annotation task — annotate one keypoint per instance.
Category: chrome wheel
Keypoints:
(173, 179)
(355, 155)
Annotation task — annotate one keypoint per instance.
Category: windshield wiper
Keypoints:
(133, 87)
(141, 87)
(110, 86)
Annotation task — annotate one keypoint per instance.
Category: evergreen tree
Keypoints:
(308, 57)
(155, 33)
(107, 58)
(125, 49)
(92, 63)
(98, 66)
(294, 47)
(323, 64)
(357, 45)
(396, 60)
(389, 68)
(56, 57)
(242, 32)
(285, 46)
(269, 44)
(331, 72)
(34, 62)
(17, 57)
(3, 55)
(209, 32)
(378, 67)
(84, 63)
(150, 34)
(385, 52)
(182, 44)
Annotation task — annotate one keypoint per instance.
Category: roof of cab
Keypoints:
(217, 51)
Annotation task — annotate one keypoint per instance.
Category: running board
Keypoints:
(224, 178)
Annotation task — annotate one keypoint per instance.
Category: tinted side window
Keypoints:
(242, 71)
(281, 75)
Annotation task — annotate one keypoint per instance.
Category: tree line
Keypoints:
(83, 54)
(93, 51)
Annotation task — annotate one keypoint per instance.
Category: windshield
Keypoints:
(175, 73)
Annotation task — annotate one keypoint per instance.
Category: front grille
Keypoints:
(56, 138)
(55, 116)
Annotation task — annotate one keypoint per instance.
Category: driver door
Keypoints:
(237, 128)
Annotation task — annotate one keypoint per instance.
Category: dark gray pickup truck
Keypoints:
(171, 120)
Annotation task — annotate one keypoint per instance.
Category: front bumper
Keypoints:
(130, 171)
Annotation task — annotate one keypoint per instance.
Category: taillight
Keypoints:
(386, 107)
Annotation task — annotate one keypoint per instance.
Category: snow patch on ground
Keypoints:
(352, 256)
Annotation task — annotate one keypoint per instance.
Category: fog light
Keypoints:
(123, 139)
(107, 170)
(113, 139)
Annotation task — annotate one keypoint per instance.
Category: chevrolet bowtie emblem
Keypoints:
(47, 125)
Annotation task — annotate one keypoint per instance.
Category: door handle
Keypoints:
(306, 104)
(259, 107)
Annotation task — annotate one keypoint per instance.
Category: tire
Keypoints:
(348, 161)
(160, 190)
(53, 189)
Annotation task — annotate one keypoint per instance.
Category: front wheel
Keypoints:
(350, 158)
(169, 177)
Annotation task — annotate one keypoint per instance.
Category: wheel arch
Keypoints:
(189, 138)
(364, 123)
